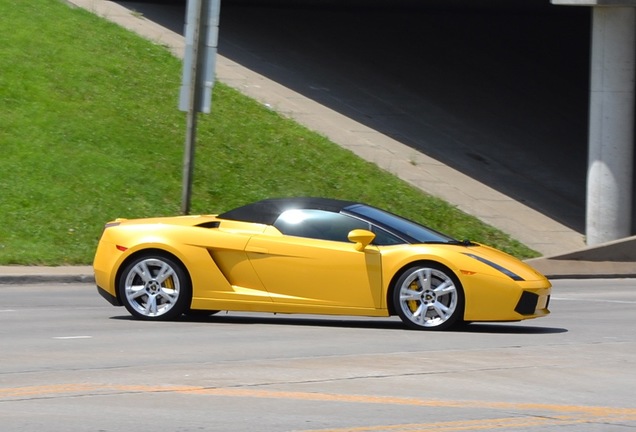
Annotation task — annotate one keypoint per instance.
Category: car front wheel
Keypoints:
(428, 297)
(155, 287)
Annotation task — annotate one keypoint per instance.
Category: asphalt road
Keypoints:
(69, 361)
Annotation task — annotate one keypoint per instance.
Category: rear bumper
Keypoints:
(109, 297)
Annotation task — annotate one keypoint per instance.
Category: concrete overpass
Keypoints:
(610, 179)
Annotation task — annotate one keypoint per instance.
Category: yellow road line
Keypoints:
(464, 425)
(551, 414)
(475, 425)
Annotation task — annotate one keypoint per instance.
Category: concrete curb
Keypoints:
(570, 269)
(10, 275)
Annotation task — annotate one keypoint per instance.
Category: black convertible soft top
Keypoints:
(267, 211)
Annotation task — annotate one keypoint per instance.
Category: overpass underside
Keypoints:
(534, 98)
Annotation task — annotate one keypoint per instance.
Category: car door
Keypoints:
(315, 264)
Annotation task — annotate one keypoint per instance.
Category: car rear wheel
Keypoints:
(155, 287)
(428, 297)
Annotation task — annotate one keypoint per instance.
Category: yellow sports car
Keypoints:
(311, 256)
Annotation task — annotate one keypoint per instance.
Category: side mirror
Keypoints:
(362, 238)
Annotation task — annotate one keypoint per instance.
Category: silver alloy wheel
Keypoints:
(428, 298)
(152, 287)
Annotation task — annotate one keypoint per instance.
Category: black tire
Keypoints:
(428, 296)
(155, 287)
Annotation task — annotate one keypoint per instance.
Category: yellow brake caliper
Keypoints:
(413, 304)
(169, 283)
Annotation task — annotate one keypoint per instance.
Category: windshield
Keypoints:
(404, 228)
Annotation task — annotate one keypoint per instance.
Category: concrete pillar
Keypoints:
(611, 124)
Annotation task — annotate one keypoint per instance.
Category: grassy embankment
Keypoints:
(90, 131)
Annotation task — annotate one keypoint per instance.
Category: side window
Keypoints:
(383, 238)
(318, 224)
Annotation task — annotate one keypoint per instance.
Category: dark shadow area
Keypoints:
(361, 323)
(503, 328)
(222, 318)
(497, 90)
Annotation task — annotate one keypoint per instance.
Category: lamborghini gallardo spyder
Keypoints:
(311, 256)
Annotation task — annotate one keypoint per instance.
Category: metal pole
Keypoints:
(188, 160)
(191, 122)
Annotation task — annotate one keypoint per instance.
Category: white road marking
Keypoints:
(72, 337)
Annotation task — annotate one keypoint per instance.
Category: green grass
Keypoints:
(90, 131)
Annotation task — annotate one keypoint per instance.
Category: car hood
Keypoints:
(499, 261)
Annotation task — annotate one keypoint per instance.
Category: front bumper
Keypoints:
(533, 304)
